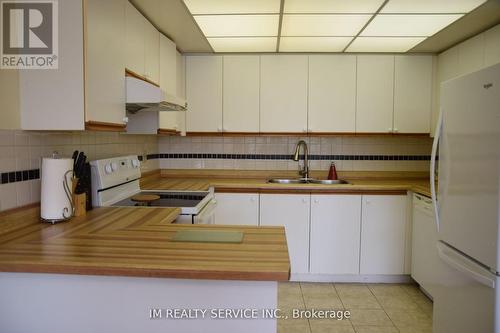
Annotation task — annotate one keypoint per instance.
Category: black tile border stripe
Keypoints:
(19, 176)
(288, 157)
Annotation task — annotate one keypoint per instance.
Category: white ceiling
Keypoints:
(323, 25)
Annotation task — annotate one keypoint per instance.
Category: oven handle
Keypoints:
(207, 214)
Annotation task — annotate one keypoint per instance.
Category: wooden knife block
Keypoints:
(79, 201)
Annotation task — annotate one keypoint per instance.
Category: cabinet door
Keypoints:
(237, 208)
(105, 80)
(134, 32)
(383, 234)
(204, 93)
(332, 93)
(375, 86)
(283, 93)
(168, 81)
(335, 234)
(412, 94)
(241, 84)
(292, 212)
(151, 53)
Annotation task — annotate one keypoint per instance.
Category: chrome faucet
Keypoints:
(305, 170)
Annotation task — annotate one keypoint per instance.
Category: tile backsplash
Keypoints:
(350, 153)
(21, 153)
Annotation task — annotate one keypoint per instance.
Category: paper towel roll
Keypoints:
(54, 199)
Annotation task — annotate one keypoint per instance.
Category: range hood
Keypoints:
(144, 96)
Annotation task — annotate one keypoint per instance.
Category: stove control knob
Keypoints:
(114, 166)
(135, 163)
(108, 169)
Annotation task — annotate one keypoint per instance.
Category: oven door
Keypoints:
(207, 214)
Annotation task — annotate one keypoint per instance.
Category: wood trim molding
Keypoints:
(130, 73)
(309, 134)
(105, 127)
(167, 132)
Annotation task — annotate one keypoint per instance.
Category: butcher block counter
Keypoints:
(126, 241)
(256, 181)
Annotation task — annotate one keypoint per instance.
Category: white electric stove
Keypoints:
(116, 180)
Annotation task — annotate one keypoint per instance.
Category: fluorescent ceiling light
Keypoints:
(243, 44)
(383, 44)
(313, 44)
(238, 25)
(332, 6)
(233, 6)
(431, 6)
(323, 25)
(408, 25)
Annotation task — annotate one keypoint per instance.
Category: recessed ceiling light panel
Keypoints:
(233, 6)
(408, 25)
(332, 6)
(323, 25)
(313, 44)
(243, 44)
(238, 25)
(383, 44)
(431, 6)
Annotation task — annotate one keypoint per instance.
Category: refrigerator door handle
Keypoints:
(465, 265)
(435, 143)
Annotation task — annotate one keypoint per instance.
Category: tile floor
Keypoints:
(381, 308)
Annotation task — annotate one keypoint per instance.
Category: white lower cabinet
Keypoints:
(335, 234)
(383, 232)
(292, 212)
(237, 208)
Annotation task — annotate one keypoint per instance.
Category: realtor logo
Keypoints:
(29, 34)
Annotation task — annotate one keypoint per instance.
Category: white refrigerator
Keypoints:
(467, 204)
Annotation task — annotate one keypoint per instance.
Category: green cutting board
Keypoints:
(208, 236)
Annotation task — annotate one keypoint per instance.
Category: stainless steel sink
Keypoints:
(306, 181)
(287, 181)
(328, 181)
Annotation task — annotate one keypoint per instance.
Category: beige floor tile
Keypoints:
(369, 318)
(406, 318)
(287, 301)
(360, 302)
(397, 302)
(293, 326)
(387, 290)
(411, 289)
(323, 301)
(317, 288)
(415, 330)
(329, 328)
(425, 304)
(352, 290)
(376, 329)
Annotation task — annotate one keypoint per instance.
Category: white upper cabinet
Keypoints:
(151, 53)
(204, 93)
(375, 98)
(383, 234)
(492, 46)
(143, 45)
(332, 93)
(335, 234)
(241, 83)
(168, 81)
(412, 94)
(283, 93)
(105, 77)
(135, 27)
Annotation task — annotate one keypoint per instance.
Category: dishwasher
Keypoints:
(426, 266)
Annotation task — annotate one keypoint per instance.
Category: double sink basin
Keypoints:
(306, 181)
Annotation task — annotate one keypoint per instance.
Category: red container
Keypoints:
(332, 174)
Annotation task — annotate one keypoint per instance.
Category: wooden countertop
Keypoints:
(223, 181)
(136, 242)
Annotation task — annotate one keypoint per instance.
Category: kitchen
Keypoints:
(293, 155)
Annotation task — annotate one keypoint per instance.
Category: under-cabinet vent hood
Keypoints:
(144, 96)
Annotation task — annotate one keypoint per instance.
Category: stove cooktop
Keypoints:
(168, 199)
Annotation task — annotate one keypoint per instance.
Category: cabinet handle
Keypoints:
(389, 129)
(252, 199)
(219, 129)
(396, 130)
(368, 201)
(304, 200)
(304, 130)
(316, 201)
(125, 120)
